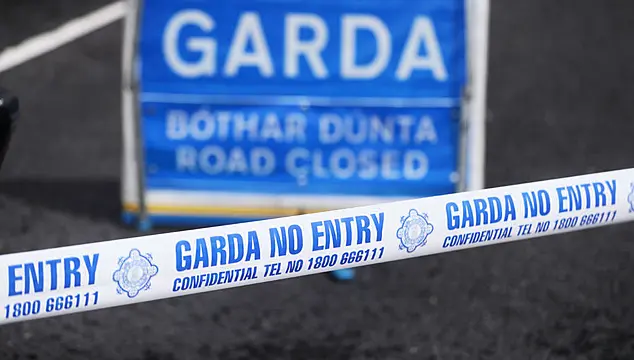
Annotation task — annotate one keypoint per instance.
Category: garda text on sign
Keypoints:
(406, 48)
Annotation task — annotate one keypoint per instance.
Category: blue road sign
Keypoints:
(321, 98)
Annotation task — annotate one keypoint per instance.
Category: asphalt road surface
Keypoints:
(562, 100)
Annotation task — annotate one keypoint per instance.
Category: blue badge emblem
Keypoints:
(134, 273)
(630, 197)
(414, 230)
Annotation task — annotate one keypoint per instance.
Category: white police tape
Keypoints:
(87, 277)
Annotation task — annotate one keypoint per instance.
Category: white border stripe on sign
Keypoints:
(87, 277)
(292, 100)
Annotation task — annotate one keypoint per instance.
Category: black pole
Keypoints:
(9, 112)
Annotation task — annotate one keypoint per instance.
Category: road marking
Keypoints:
(72, 30)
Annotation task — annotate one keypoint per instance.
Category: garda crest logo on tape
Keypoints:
(414, 230)
(630, 197)
(134, 273)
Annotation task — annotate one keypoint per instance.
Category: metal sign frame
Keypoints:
(472, 130)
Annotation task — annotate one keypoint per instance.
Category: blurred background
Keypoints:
(561, 84)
